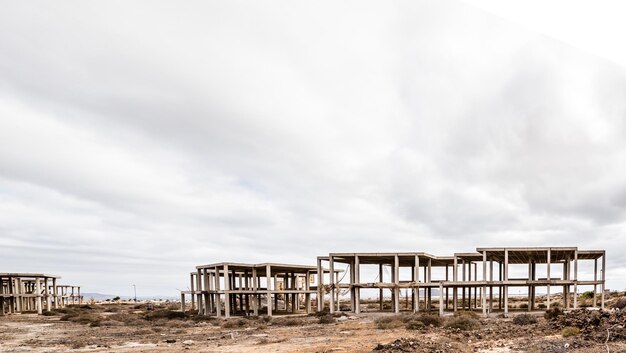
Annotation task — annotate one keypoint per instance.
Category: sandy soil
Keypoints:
(125, 328)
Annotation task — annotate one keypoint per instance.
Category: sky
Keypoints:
(140, 139)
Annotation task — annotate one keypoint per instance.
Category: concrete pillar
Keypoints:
(576, 279)
(307, 296)
(337, 292)
(218, 297)
(357, 290)
(446, 287)
(506, 278)
(268, 271)
(380, 290)
(490, 285)
(441, 299)
(396, 282)
(484, 288)
(182, 301)
(255, 304)
(38, 292)
(416, 288)
(595, 283)
(320, 285)
(455, 288)
(463, 287)
(603, 279)
(331, 264)
(548, 288)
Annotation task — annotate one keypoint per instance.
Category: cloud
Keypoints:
(139, 141)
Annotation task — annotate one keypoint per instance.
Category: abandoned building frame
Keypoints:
(26, 292)
(478, 280)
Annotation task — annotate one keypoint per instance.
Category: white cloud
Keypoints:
(140, 140)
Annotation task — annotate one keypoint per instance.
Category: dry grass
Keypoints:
(462, 323)
(570, 331)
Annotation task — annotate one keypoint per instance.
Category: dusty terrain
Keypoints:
(131, 328)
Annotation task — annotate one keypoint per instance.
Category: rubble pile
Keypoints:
(595, 324)
(414, 345)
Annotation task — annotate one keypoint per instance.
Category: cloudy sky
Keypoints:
(138, 140)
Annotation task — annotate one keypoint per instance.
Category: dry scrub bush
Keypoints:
(620, 303)
(326, 319)
(553, 313)
(463, 323)
(165, 314)
(389, 322)
(289, 322)
(525, 319)
(570, 331)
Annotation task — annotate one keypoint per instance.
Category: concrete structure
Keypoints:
(226, 288)
(24, 292)
(468, 280)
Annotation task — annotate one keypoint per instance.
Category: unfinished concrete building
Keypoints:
(227, 289)
(34, 292)
(467, 281)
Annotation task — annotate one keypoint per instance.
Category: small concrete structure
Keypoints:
(228, 288)
(24, 292)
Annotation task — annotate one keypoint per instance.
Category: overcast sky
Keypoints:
(140, 139)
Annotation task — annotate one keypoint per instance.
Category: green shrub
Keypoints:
(587, 295)
(49, 313)
(523, 306)
(570, 331)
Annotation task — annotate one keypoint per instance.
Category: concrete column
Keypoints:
(182, 301)
(227, 297)
(331, 264)
(307, 296)
(357, 290)
(575, 279)
(463, 287)
(320, 285)
(396, 282)
(268, 271)
(198, 294)
(441, 299)
(416, 289)
(455, 288)
(380, 290)
(595, 283)
(205, 288)
(484, 288)
(506, 278)
(446, 287)
(603, 279)
(255, 304)
(218, 300)
(47, 293)
(490, 285)
(39, 303)
(337, 293)
(548, 288)
(55, 293)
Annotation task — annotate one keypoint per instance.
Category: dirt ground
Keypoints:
(131, 328)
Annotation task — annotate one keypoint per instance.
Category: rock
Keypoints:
(170, 341)
(188, 342)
